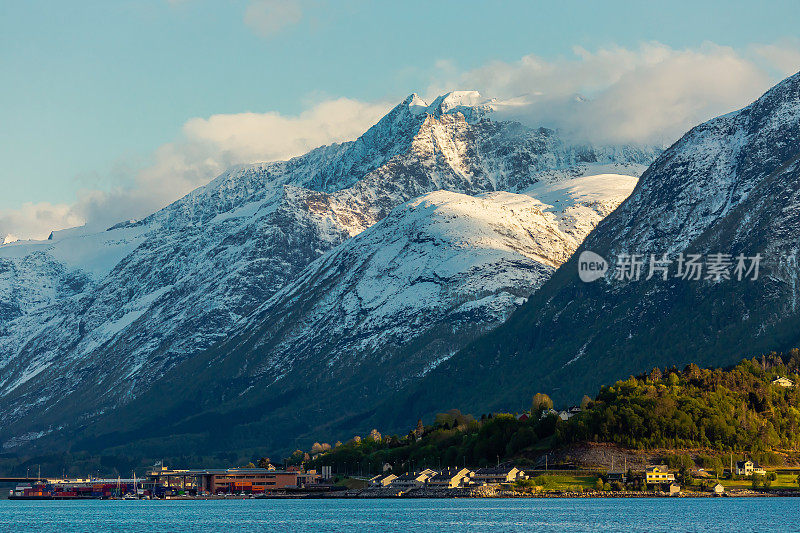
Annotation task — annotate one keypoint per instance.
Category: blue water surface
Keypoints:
(407, 515)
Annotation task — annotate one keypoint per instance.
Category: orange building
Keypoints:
(248, 480)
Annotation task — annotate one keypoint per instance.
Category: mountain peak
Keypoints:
(468, 103)
(454, 99)
(779, 104)
(415, 104)
(392, 134)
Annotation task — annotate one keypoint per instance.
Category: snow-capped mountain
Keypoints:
(376, 313)
(441, 262)
(730, 186)
(90, 321)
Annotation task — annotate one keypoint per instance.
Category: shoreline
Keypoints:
(422, 494)
(618, 495)
(517, 496)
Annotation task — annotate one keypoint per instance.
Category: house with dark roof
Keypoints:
(749, 468)
(450, 478)
(497, 474)
(412, 480)
(617, 475)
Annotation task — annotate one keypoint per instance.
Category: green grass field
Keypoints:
(784, 481)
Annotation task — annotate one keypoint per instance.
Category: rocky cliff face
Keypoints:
(90, 321)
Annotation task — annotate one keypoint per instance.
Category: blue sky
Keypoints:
(93, 92)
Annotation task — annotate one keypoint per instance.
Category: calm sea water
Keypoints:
(430, 516)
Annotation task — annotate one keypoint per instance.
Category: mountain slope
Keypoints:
(442, 261)
(370, 317)
(728, 186)
(81, 334)
(416, 287)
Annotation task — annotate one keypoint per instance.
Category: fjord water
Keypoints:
(408, 515)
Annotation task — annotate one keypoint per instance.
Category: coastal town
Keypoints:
(746, 478)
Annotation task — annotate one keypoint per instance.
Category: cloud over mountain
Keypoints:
(651, 94)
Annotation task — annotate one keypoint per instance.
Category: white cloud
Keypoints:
(650, 94)
(272, 136)
(783, 56)
(36, 220)
(205, 149)
(268, 17)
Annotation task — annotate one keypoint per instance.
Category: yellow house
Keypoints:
(658, 474)
(382, 480)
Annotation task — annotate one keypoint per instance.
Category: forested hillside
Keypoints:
(738, 409)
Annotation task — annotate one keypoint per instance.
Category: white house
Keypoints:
(548, 412)
(783, 382)
(566, 414)
(748, 468)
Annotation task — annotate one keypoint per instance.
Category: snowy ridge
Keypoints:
(109, 313)
(711, 170)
